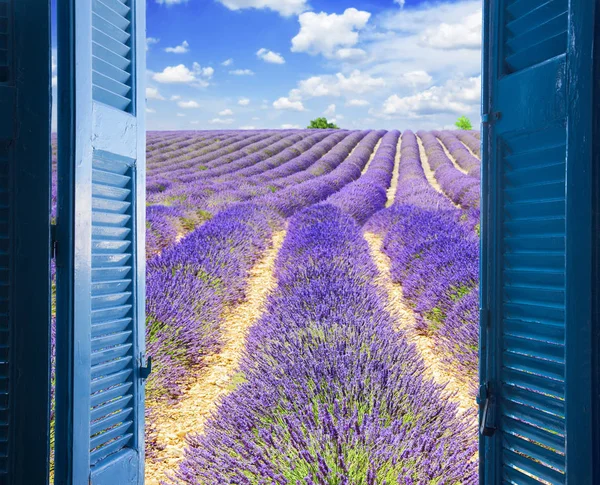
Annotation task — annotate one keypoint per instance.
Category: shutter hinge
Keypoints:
(486, 402)
(145, 370)
(491, 117)
(53, 242)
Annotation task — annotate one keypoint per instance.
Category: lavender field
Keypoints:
(312, 307)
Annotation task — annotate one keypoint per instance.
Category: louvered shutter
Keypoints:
(100, 331)
(24, 240)
(535, 395)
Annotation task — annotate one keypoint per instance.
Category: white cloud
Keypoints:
(54, 69)
(330, 111)
(150, 110)
(270, 56)
(180, 74)
(290, 127)
(175, 97)
(357, 102)
(255, 118)
(457, 96)
(180, 49)
(337, 85)
(188, 104)
(325, 34)
(195, 122)
(221, 121)
(227, 62)
(153, 93)
(241, 72)
(170, 2)
(350, 54)
(415, 79)
(151, 41)
(400, 2)
(181, 115)
(247, 127)
(243, 101)
(226, 112)
(462, 35)
(284, 7)
(285, 103)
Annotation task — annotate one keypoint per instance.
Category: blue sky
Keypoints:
(279, 63)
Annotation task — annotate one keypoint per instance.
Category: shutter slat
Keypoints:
(103, 275)
(105, 382)
(111, 367)
(108, 12)
(111, 286)
(111, 448)
(107, 355)
(110, 340)
(113, 45)
(110, 394)
(538, 470)
(113, 313)
(101, 246)
(110, 434)
(110, 407)
(108, 422)
(109, 301)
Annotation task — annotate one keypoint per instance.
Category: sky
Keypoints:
(235, 64)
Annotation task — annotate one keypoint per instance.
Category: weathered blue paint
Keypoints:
(536, 272)
(101, 260)
(24, 240)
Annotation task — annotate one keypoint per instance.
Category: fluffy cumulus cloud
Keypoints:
(330, 111)
(456, 96)
(150, 41)
(331, 35)
(356, 82)
(242, 72)
(415, 79)
(270, 56)
(227, 62)
(180, 74)
(357, 103)
(461, 35)
(287, 104)
(188, 104)
(179, 49)
(243, 101)
(153, 93)
(221, 121)
(284, 7)
(287, 126)
(247, 127)
(226, 112)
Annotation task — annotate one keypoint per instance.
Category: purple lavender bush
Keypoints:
(328, 391)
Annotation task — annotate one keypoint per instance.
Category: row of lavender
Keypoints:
(435, 257)
(174, 207)
(192, 282)
(328, 391)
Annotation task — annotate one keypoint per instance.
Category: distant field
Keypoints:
(312, 307)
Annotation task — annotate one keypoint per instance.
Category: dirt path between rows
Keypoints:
(391, 191)
(470, 151)
(451, 158)
(371, 157)
(214, 382)
(429, 174)
(405, 319)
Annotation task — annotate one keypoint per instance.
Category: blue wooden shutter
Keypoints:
(100, 329)
(536, 320)
(24, 240)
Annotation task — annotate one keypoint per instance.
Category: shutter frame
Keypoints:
(31, 242)
(102, 204)
(567, 110)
